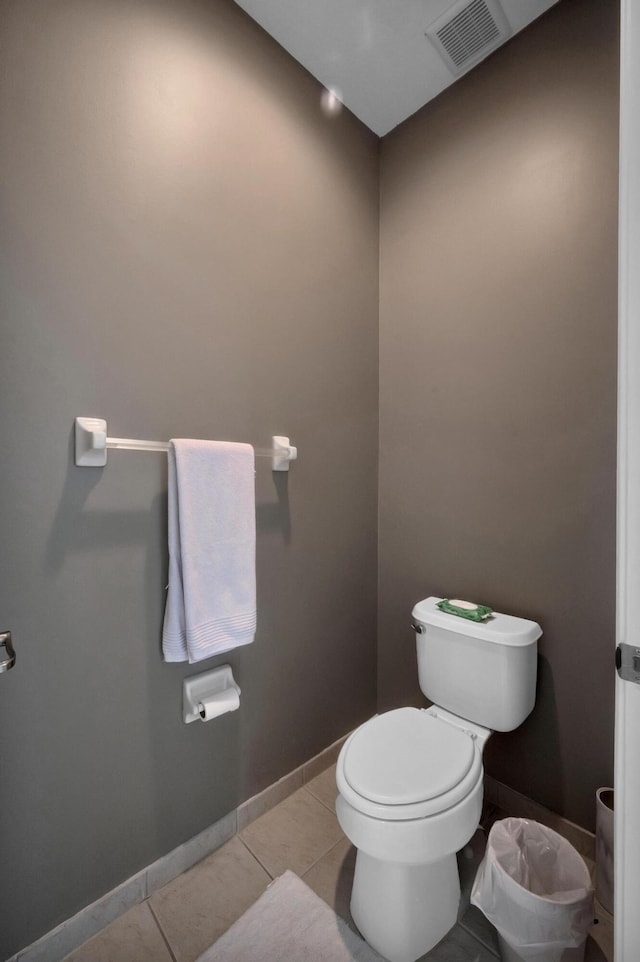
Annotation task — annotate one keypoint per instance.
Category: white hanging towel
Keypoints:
(211, 599)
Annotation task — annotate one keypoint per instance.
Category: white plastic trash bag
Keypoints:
(535, 888)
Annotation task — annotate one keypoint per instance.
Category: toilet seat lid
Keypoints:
(407, 756)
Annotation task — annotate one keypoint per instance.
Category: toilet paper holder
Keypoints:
(209, 695)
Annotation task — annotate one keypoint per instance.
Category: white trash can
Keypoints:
(535, 889)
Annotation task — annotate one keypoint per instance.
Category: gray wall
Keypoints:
(189, 248)
(497, 386)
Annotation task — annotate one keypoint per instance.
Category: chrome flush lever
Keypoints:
(419, 629)
(10, 660)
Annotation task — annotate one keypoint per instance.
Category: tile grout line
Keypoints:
(331, 847)
(324, 854)
(253, 855)
(476, 938)
(161, 930)
(318, 799)
(315, 861)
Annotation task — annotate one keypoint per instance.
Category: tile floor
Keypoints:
(179, 921)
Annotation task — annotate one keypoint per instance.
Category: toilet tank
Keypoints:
(482, 671)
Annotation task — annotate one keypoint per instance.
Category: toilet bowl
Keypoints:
(410, 781)
(409, 797)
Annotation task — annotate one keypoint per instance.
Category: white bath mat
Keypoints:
(289, 923)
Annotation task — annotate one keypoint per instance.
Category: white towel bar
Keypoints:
(92, 444)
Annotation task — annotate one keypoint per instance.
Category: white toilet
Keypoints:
(410, 780)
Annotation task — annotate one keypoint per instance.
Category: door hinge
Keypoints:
(628, 663)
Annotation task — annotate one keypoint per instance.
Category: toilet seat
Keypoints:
(407, 764)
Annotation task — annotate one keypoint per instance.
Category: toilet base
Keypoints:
(404, 910)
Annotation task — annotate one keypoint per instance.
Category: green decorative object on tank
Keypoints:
(465, 609)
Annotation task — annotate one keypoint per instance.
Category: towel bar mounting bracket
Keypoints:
(91, 443)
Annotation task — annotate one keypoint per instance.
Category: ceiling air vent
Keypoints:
(469, 31)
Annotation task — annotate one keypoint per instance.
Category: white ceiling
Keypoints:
(374, 53)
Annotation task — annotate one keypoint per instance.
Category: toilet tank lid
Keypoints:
(499, 629)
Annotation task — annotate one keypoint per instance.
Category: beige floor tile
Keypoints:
(135, 935)
(255, 807)
(197, 907)
(323, 786)
(459, 946)
(332, 878)
(293, 835)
